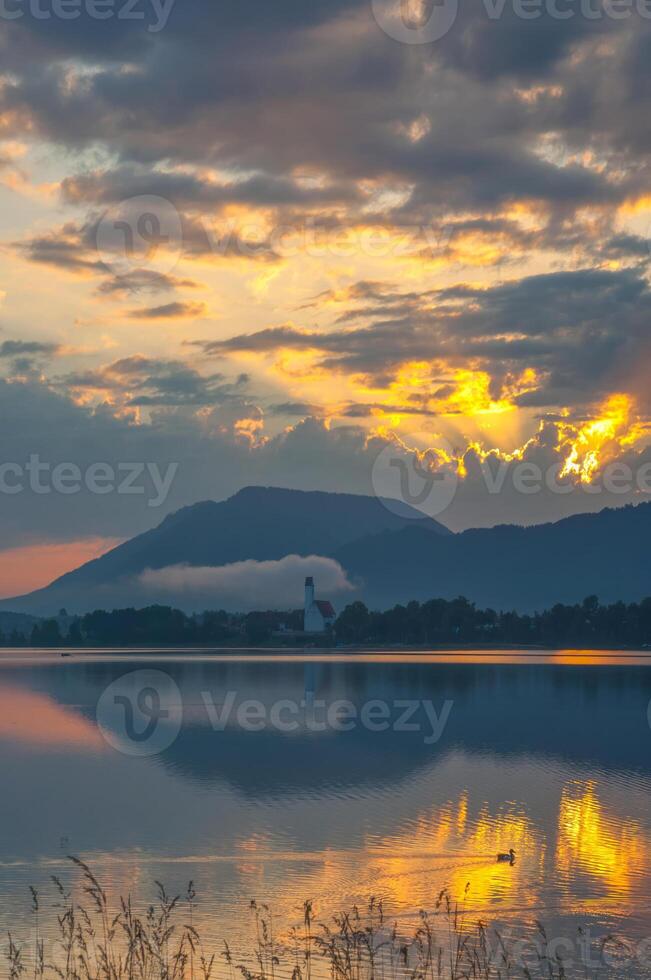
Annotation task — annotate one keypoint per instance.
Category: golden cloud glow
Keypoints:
(473, 393)
(595, 443)
(583, 449)
(250, 430)
(428, 387)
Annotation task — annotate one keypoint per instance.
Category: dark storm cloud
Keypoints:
(295, 409)
(17, 348)
(146, 381)
(187, 191)
(458, 175)
(268, 340)
(476, 175)
(490, 41)
(207, 62)
(144, 281)
(332, 96)
(627, 246)
(194, 23)
(69, 248)
(291, 92)
(169, 311)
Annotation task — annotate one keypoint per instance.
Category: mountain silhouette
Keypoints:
(390, 552)
(509, 567)
(257, 523)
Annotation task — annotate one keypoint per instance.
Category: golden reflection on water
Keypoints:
(588, 860)
(453, 847)
(591, 863)
(530, 655)
(596, 841)
(583, 840)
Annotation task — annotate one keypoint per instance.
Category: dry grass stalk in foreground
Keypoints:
(96, 943)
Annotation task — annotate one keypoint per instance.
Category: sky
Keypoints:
(319, 245)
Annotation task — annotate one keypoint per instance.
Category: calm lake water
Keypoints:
(325, 788)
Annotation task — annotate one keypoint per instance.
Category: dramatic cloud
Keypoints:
(266, 242)
(127, 475)
(579, 334)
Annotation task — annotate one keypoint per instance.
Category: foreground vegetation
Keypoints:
(93, 941)
(438, 622)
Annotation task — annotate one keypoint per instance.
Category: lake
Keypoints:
(334, 778)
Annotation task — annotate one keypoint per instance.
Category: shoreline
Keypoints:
(451, 648)
(457, 655)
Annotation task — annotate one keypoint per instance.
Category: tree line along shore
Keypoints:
(436, 623)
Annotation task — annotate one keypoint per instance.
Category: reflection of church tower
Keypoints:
(309, 683)
(318, 615)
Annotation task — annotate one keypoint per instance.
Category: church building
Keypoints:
(319, 614)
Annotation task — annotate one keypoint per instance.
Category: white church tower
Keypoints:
(319, 614)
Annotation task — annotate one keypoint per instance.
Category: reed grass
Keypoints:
(96, 942)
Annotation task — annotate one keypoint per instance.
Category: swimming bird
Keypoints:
(510, 857)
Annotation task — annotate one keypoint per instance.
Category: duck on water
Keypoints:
(504, 858)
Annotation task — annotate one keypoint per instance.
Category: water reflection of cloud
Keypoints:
(454, 844)
(32, 719)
